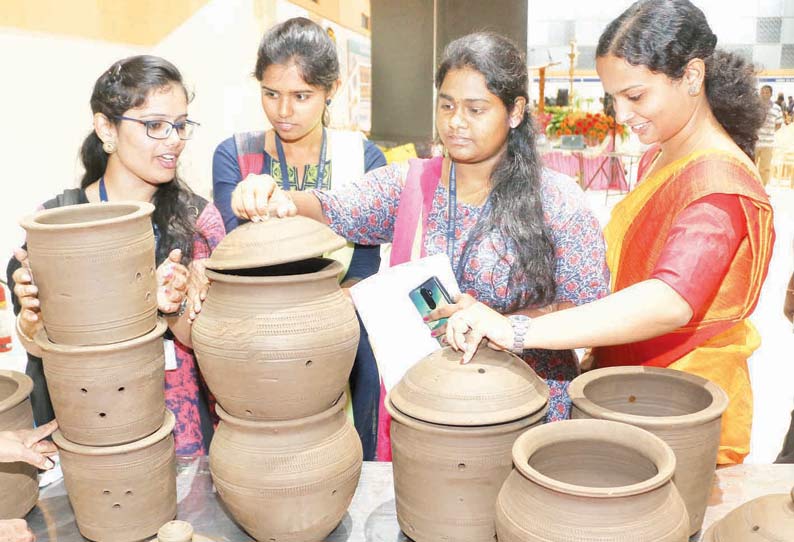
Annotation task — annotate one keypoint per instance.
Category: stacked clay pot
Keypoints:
(591, 481)
(452, 432)
(683, 409)
(767, 518)
(102, 348)
(276, 341)
(19, 483)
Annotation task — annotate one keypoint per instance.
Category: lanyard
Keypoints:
(452, 215)
(285, 169)
(103, 197)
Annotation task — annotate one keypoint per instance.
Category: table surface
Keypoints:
(372, 515)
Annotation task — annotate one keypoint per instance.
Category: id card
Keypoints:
(170, 355)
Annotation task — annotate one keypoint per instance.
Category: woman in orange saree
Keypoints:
(689, 248)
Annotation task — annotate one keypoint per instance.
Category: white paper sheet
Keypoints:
(397, 333)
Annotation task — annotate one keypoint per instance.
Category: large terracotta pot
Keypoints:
(19, 482)
(591, 481)
(287, 481)
(453, 429)
(107, 395)
(682, 409)
(279, 342)
(121, 493)
(767, 518)
(94, 267)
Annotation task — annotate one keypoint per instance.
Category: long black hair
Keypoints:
(664, 36)
(516, 203)
(126, 85)
(308, 46)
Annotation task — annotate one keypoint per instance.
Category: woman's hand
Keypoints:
(172, 281)
(28, 445)
(467, 327)
(463, 301)
(29, 319)
(15, 530)
(258, 196)
(197, 288)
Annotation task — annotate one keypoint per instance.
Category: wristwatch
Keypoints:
(520, 323)
(179, 312)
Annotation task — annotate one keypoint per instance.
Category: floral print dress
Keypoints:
(364, 212)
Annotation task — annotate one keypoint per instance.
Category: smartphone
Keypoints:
(428, 296)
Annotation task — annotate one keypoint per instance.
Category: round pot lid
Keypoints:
(495, 387)
(273, 242)
(767, 518)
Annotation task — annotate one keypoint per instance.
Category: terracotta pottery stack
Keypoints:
(19, 483)
(591, 481)
(682, 409)
(276, 341)
(104, 361)
(453, 429)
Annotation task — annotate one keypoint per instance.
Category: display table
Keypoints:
(372, 515)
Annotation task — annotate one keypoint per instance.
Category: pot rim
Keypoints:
(169, 421)
(719, 399)
(331, 270)
(468, 430)
(629, 436)
(44, 342)
(338, 405)
(24, 388)
(31, 222)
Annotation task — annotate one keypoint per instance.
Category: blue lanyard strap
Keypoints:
(285, 168)
(452, 212)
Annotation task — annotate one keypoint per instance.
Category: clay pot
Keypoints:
(461, 447)
(767, 518)
(591, 481)
(287, 481)
(94, 267)
(19, 482)
(121, 493)
(279, 342)
(179, 531)
(107, 395)
(682, 409)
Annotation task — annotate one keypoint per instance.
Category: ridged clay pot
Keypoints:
(683, 409)
(274, 345)
(453, 429)
(121, 493)
(287, 481)
(107, 395)
(591, 481)
(95, 270)
(19, 482)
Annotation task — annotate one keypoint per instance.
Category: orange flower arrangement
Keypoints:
(594, 127)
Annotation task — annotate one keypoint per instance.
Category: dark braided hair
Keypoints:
(124, 86)
(517, 211)
(664, 36)
(308, 46)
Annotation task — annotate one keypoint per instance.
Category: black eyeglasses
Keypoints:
(161, 129)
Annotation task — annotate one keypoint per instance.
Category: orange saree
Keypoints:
(718, 340)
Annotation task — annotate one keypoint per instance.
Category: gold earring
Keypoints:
(109, 147)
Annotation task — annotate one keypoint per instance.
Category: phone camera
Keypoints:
(427, 295)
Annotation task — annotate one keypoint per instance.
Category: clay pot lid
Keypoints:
(169, 421)
(273, 242)
(24, 385)
(86, 215)
(495, 387)
(179, 531)
(767, 518)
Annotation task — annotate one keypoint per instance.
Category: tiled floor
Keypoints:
(772, 366)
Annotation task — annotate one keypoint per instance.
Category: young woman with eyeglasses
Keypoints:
(141, 126)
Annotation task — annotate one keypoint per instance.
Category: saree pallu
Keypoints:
(716, 343)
